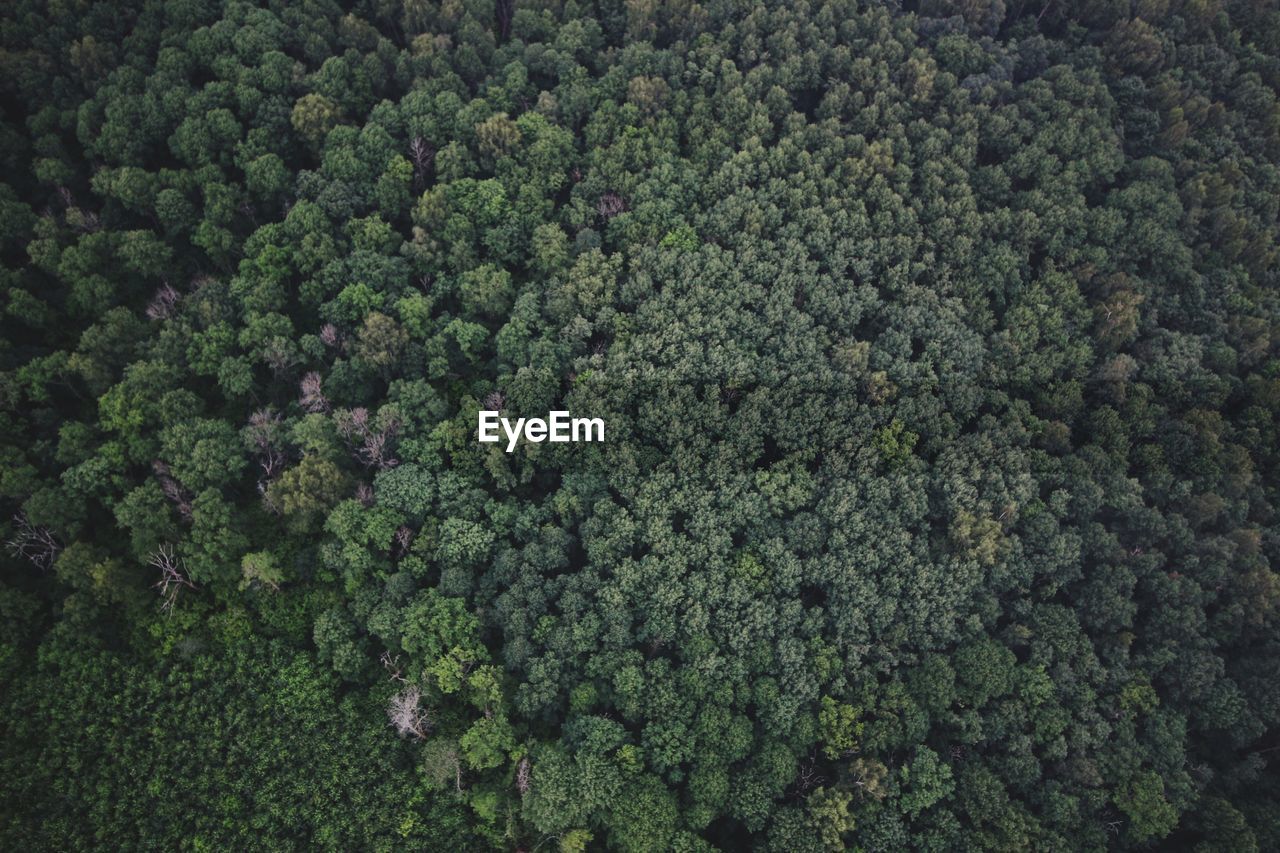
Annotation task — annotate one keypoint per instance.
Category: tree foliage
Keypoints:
(937, 348)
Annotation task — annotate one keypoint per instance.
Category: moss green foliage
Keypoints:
(937, 347)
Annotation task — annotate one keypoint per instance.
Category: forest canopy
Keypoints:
(939, 347)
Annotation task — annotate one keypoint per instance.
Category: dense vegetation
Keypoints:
(938, 348)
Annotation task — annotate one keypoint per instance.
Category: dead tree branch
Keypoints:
(33, 543)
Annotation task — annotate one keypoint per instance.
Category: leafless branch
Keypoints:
(808, 778)
(263, 432)
(403, 539)
(376, 451)
(374, 445)
(352, 424)
(329, 335)
(422, 156)
(611, 204)
(163, 303)
(392, 665)
(173, 577)
(172, 489)
(522, 776)
(312, 397)
(407, 715)
(33, 543)
(267, 500)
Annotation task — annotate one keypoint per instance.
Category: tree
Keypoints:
(314, 116)
(407, 715)
(936, 347)
(304, 492)
(1150, 815)
(829, 813)
(261, 568)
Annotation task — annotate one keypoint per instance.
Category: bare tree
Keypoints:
(263, 432)
(329, 335)
(611, 204)
(377, 452)
(808, 777)
(352, 424)
(268, 500)
(371, 447)
(163, 303)
(172, 489)
(392, 666)
(493, 401)
(423, 156)
(407, 715)
(312, 397)
(33, 543)
(173, 577)
(364, 494)
(522, 776)
(403, 539)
